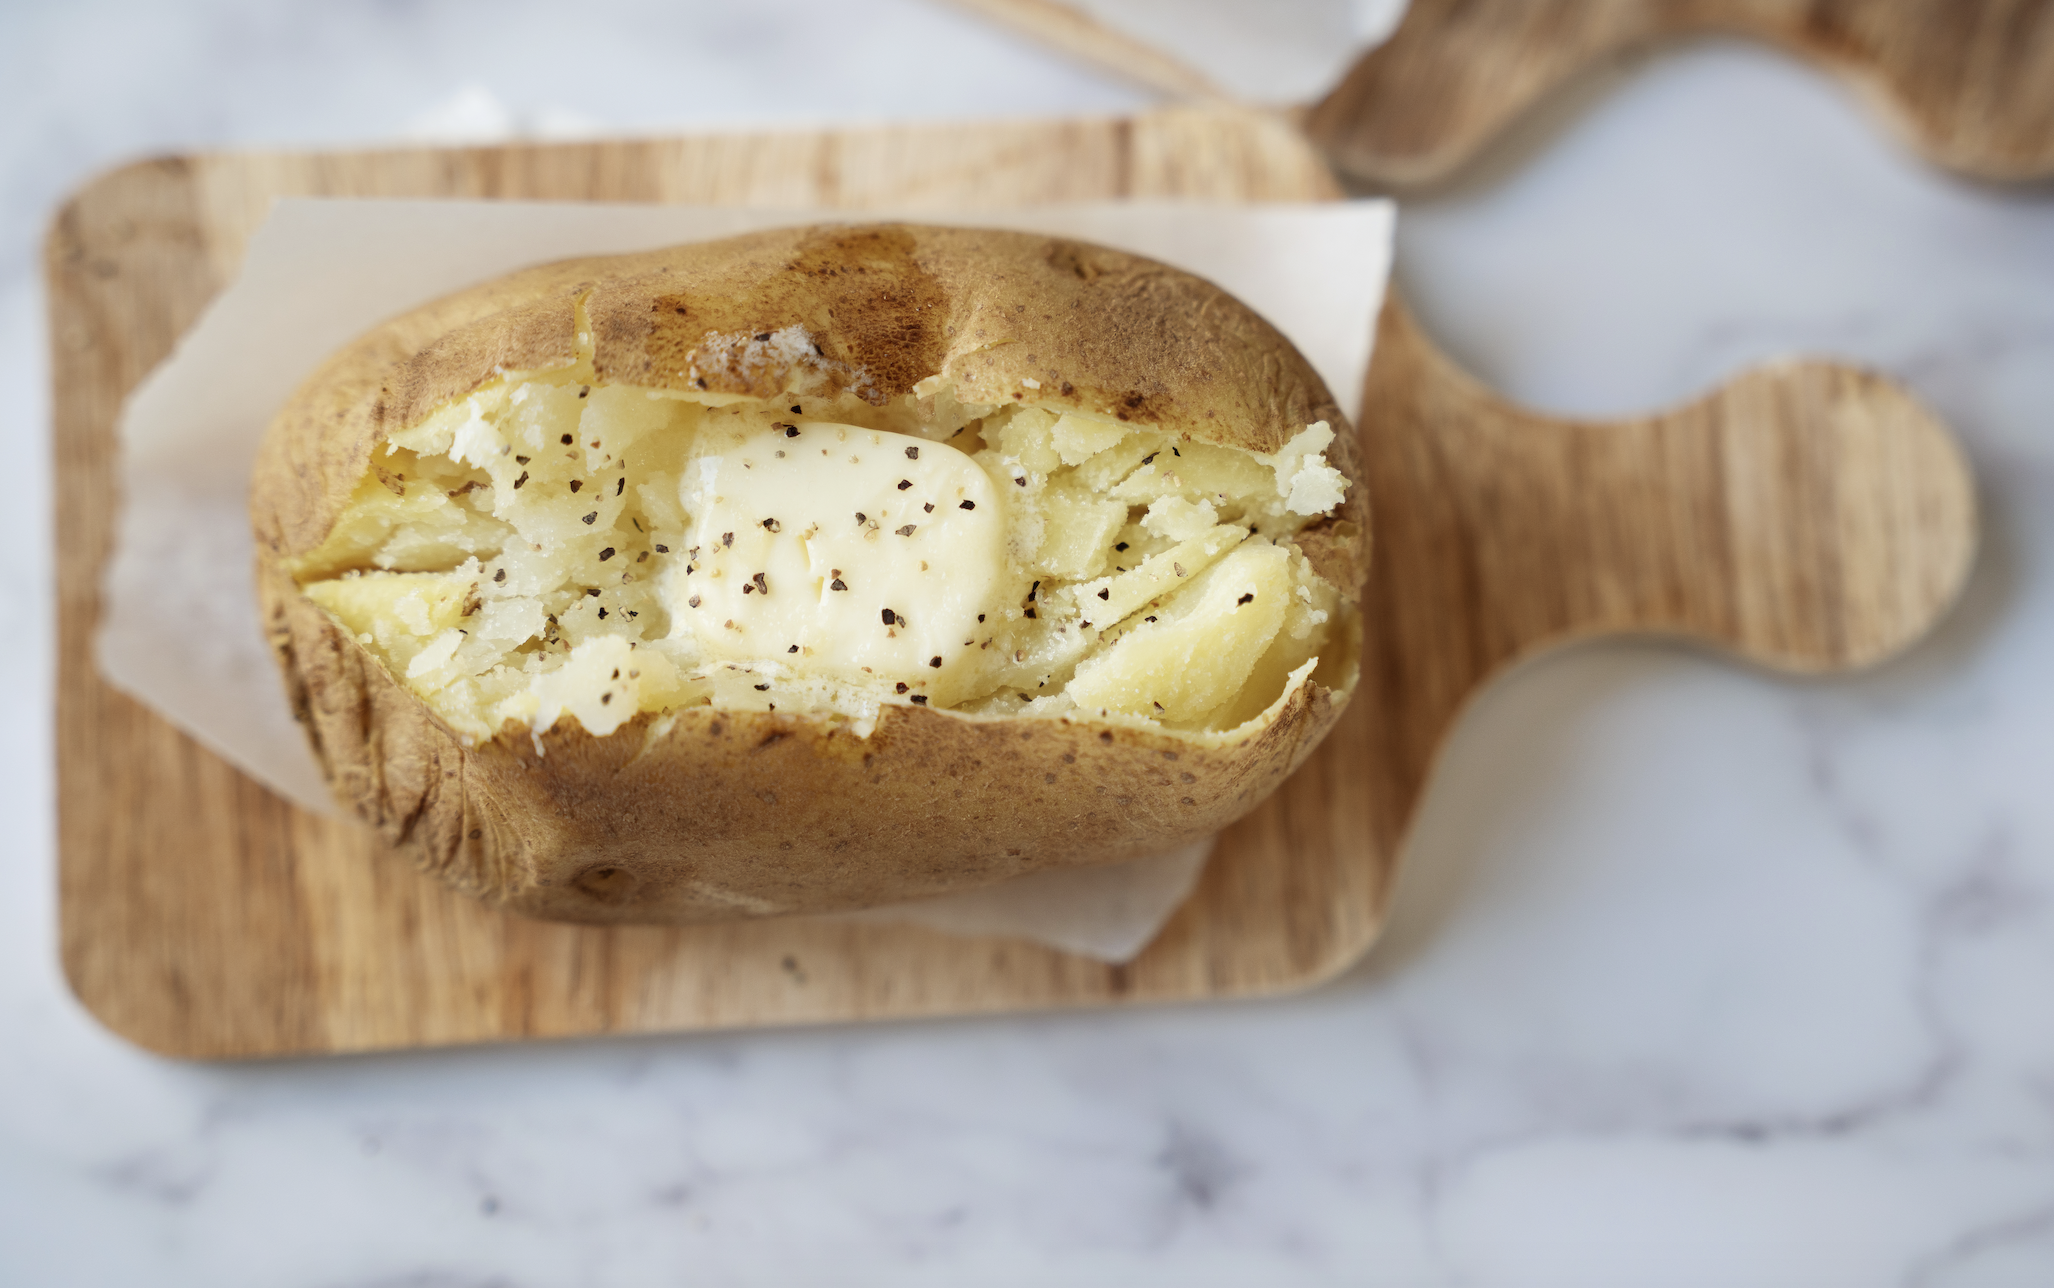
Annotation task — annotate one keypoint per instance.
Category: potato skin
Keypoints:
(705, 814)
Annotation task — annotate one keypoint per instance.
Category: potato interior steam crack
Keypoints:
(551, 547)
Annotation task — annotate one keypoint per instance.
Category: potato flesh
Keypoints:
(1192, 660)
(523, 556)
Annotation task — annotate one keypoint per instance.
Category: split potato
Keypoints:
(810, 570)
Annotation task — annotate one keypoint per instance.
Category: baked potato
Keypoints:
(810, 570)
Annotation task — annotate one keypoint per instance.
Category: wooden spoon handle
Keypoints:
(1808, 516)
(1970, 83)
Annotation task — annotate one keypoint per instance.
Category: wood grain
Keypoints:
(1808, 517)
(1968, 83)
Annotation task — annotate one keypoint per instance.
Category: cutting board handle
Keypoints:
(1806, 515)
(1964, 81)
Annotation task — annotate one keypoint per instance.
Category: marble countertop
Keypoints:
(1696, 975)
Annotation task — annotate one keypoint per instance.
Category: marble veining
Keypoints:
(1698, 976)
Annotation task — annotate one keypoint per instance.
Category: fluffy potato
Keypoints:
(810, 570)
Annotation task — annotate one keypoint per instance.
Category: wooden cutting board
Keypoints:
(1807, 517)
(1969, 83)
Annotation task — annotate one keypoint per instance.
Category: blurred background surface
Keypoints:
(1696, 976)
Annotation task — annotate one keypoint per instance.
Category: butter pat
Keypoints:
(819, 549)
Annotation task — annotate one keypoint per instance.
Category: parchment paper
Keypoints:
(180, 630)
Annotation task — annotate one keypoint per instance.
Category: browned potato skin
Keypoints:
(707, 814)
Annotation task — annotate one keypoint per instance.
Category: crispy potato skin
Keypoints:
(705, 814)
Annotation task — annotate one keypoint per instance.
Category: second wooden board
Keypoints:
(1969, 83)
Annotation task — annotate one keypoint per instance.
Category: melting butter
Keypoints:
(840, 551)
